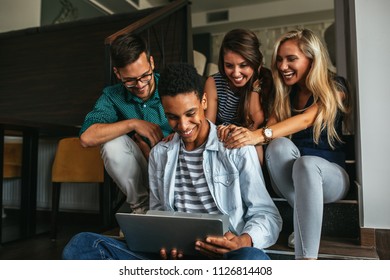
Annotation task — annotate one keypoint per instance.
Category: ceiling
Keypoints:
(244, 13)
(117, 6)
(209, 5)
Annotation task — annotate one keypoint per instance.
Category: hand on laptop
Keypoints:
(215, 246)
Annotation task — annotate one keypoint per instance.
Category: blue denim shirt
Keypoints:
(236, 183)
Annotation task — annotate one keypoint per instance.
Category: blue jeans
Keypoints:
(307, 182)
(93, 246)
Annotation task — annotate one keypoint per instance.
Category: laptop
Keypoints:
(164, 229)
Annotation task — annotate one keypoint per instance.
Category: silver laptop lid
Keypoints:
(163, 229)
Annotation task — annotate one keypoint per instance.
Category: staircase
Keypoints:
(340, 227)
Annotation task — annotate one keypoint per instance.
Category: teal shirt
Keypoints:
(117, 104)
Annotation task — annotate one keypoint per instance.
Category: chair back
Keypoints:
(211, 69)
(199, 62)
(75, 164)
(12, 161)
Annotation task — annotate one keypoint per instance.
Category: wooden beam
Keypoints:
(367, 237)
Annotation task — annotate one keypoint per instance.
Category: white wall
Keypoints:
(373, 96)
(267, 9)
(19, 14)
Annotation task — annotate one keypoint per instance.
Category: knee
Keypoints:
(278, 147)
(305, 165)
(74, 249)
(113, 146)
(247, 253)
(305, 169)
(112, 149)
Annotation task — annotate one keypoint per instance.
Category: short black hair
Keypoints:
(179, 78)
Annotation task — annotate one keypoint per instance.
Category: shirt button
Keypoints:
(144, 105)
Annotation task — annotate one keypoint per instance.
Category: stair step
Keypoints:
(330, 249)
(340, 219)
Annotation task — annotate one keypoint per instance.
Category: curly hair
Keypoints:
(179, 78)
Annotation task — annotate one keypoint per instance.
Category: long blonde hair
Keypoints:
(320, 82)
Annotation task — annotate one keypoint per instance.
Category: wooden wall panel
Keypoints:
(55, 74)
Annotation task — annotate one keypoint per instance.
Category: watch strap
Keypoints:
(266, 138)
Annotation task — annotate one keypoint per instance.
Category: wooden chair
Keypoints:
(12, 163)
(12, 160)
(74, 164)
(199, 62)
(211, 68)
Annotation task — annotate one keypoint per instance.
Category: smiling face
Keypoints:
(292, 63)
(237, 69)
(185, 113)
(138, 70)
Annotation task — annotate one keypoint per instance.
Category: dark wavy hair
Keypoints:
(127, 48)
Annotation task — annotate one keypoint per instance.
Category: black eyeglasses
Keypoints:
(132, 82)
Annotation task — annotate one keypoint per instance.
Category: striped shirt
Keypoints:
(192, 194)
(227, 101)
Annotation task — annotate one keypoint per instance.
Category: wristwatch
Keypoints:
(267, 133)
(257, 89)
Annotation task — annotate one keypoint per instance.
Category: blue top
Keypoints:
(236, 184)
(117, 104)
(305, 142)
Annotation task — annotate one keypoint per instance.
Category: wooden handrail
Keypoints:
(149, 20)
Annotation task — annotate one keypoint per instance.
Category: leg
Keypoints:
(316, 181)
(246, 253)
(280, 156)
(260, 154)
(128, 167)
(55, 208)
(93, 246)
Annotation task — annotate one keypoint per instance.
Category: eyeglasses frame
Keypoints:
(139, 80)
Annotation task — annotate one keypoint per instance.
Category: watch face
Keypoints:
(268, 133)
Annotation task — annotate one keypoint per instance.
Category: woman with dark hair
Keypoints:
(304, 156)
(240, 93)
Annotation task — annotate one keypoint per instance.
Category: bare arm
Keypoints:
(293, 124)
(256, 112)
(235, 137)
(98, 134)
(212, 99)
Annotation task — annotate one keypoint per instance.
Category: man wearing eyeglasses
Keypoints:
(124, 115)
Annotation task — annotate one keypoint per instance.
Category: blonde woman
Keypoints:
(304, 156)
